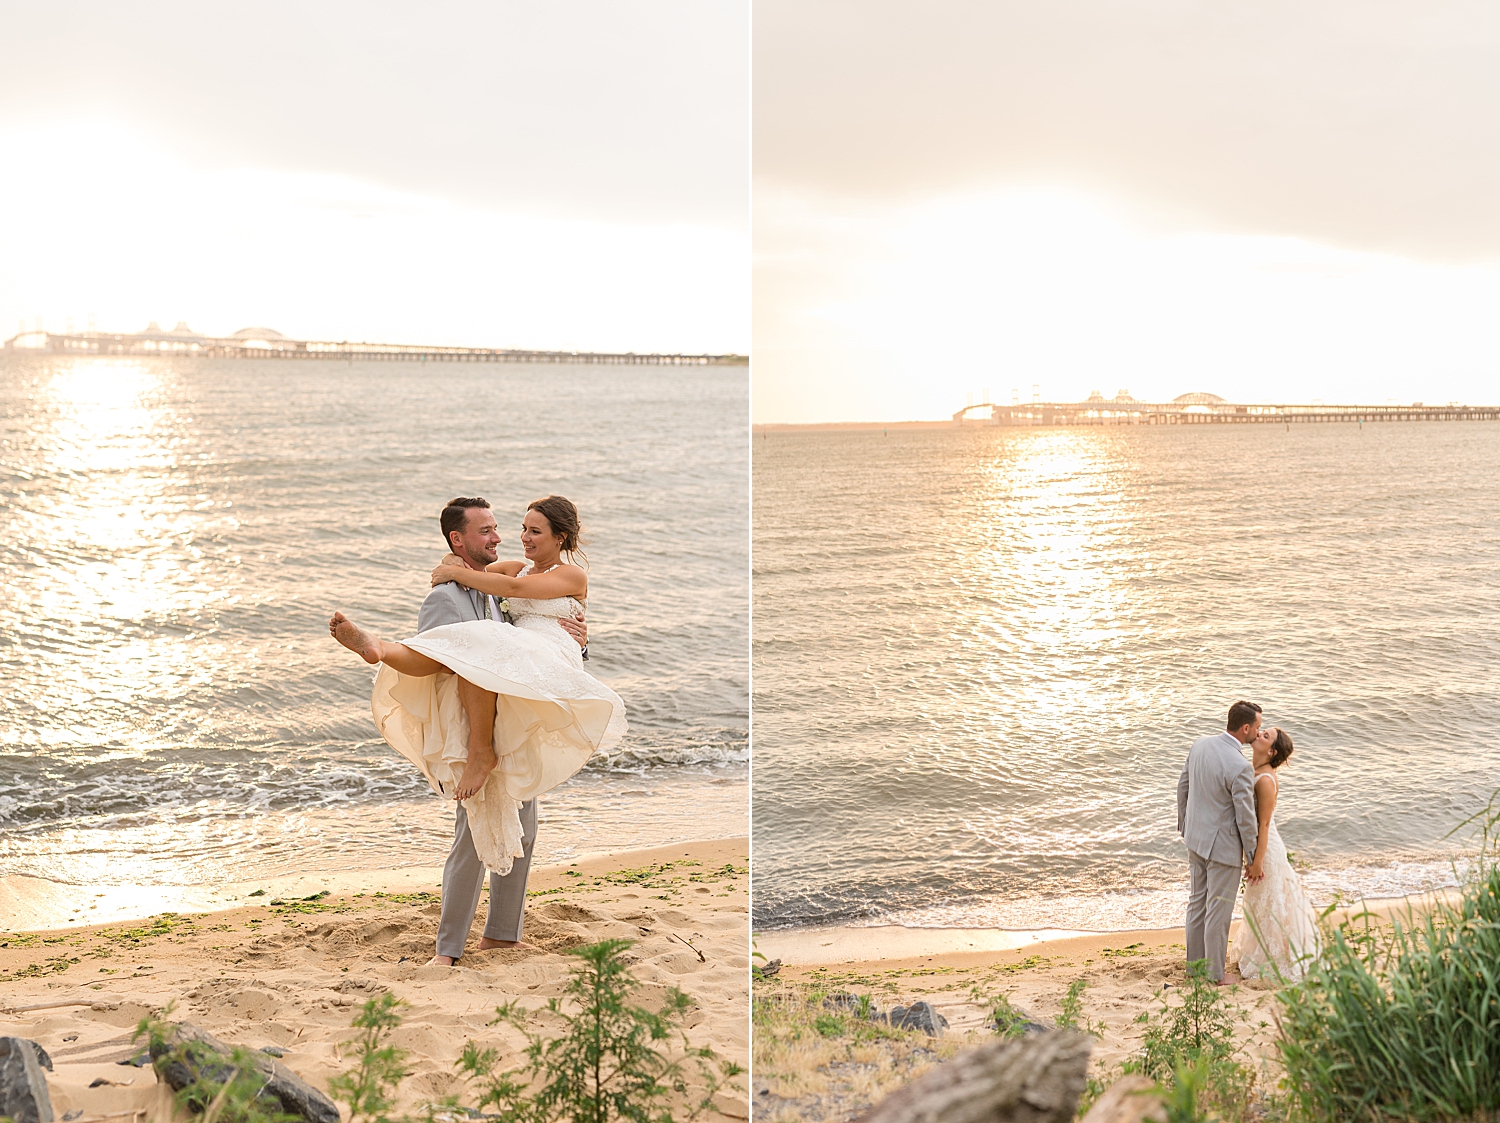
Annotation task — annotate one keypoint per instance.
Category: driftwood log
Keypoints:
(1035, 1080)
(1131, 1099)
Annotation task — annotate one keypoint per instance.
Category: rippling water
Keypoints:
(980, 656)
(177, 532)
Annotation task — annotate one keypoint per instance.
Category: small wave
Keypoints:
(1163, 906)
(40, 791)
(635, 756)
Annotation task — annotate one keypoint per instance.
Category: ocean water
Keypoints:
(980, 656)
(178, 531)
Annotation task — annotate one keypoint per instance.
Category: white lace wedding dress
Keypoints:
(551, 715)
(1278, 936)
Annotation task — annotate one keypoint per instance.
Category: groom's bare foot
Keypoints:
(480, 764)
(441, 961)
(485, 943)
(356, 639)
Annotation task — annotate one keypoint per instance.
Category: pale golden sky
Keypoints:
(570, 174)
(1265, 200)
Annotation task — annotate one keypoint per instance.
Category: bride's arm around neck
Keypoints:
(561, 581)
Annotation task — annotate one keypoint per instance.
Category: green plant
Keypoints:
(223, 1090)
(1189, 1082)
(1093, 1088)
(1004, 1019)
(1071, 1015)
(369, 1089)
(1404, 1023)
(608, 1064)
(1194, 1040)
(829, 1025)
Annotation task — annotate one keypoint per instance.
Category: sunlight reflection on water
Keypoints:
(978, 673)
(177, 532)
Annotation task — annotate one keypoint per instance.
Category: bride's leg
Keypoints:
(372, 649)
(479, 707)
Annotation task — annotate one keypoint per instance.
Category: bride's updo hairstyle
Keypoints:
(562, 517)
(1281, 749)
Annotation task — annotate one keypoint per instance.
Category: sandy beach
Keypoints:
(288, 962)
(1126, 975)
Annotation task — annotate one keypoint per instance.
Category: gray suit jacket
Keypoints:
(451, 603)
(1216, 801)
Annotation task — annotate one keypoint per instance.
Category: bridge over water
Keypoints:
(1207, 409)
(262, 343)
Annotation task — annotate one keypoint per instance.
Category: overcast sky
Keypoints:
(569, 174)
(1268, 200)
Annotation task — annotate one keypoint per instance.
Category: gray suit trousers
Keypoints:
(463, 879)
(1212, 889)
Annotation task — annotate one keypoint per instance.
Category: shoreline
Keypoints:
(290, 972)
(897, 944)
(36, 904)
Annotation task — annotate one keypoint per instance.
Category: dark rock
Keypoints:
(140, 1061)
(767, 969)
(919, 1015)
(272, 1051)
(23, 1087)
(76, 1113)
(1027, 1024)
(189, 1053)
(852, 1004)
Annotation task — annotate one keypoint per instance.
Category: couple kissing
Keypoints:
(1225, 814)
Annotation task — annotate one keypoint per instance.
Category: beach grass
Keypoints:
(1402, 1021)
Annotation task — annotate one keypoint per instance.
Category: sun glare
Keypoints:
(910, 312)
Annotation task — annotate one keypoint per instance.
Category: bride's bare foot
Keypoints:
(481, 763)
(356, 639)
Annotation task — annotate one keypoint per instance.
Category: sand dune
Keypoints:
(290, 972)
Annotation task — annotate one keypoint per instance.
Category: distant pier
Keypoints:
(1207, 409)
(263, 343)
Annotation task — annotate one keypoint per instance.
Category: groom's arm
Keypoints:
(1242, 792)
(1182, 797)
(445, 604)
(578, 628)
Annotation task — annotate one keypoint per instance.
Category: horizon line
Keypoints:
(267, 343)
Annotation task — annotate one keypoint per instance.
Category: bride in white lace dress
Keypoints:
(1278, 937)
(549, 715)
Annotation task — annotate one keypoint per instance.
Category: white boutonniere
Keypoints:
(504, 608)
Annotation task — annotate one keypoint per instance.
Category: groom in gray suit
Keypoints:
(1216, 818)
(469, 529)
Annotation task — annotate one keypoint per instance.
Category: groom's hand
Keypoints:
(577, 627)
